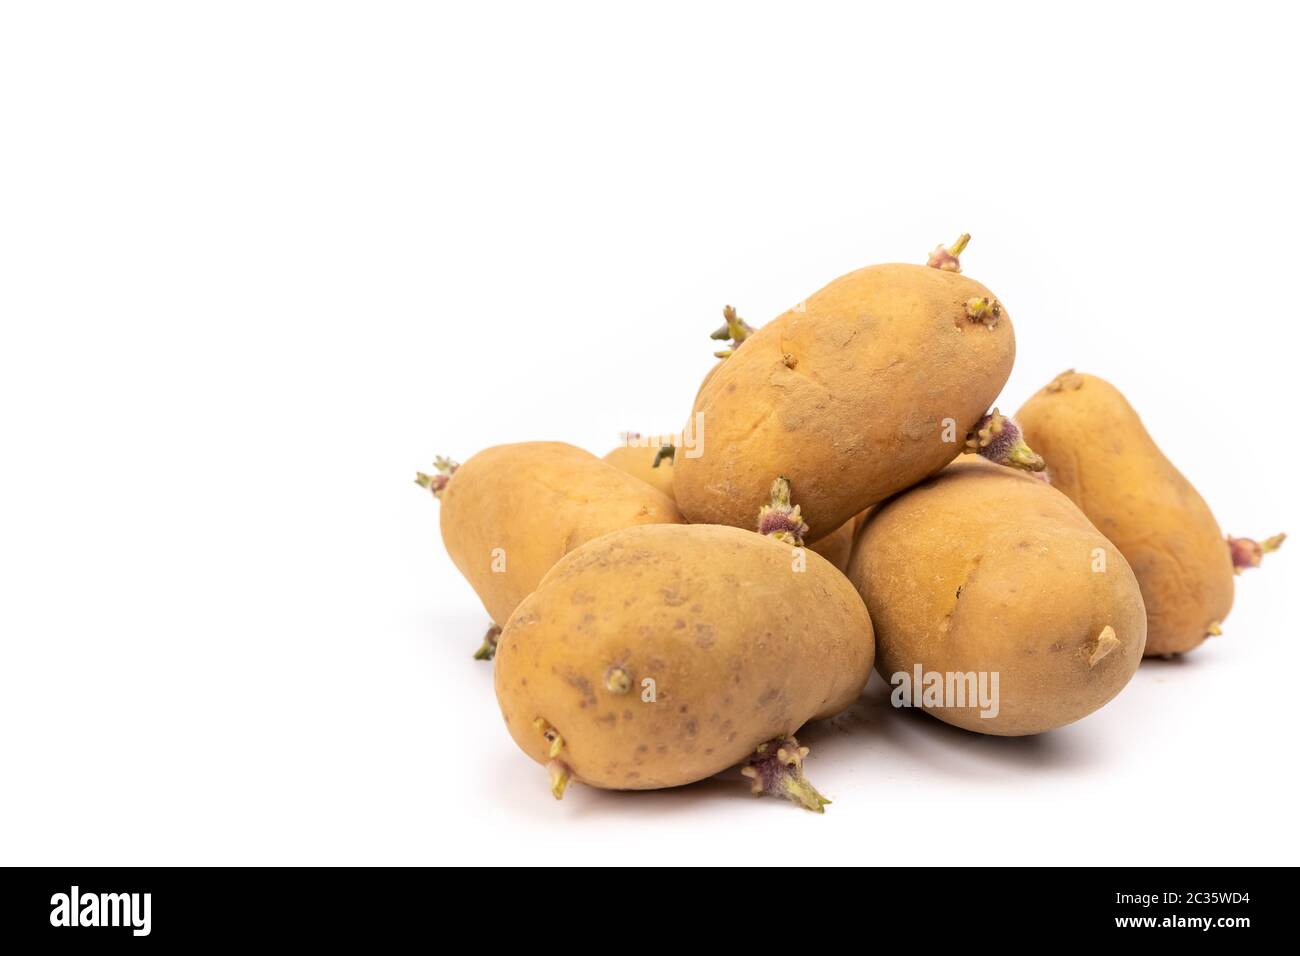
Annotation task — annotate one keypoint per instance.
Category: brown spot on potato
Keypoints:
(672, 597)
(583, 686)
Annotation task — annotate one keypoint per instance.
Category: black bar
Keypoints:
(333, 906)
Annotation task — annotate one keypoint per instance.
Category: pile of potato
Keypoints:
(662, 619)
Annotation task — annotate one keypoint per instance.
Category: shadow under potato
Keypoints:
(872, 730)
(871, 736)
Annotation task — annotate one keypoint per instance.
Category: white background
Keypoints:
(259, 262)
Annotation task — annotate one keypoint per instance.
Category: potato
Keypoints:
(865, 388)
(1099, 454)
(511, 512)
(640, 463)
(986, 570)
(663, 654)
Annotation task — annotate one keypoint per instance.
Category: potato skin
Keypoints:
(741, 649)
(982, 568)
(847, 398)
(1100, 455)
(640, 463)
(536, 501)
